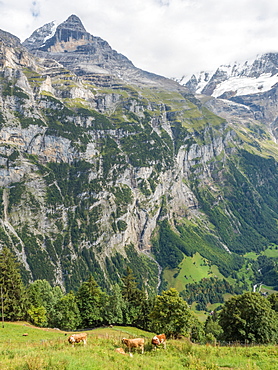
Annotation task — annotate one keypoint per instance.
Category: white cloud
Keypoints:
(168, 37)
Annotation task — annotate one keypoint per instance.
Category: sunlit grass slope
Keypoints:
(191, 270)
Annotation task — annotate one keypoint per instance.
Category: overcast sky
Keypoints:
(168, 37)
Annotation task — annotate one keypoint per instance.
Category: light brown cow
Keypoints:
(122, 352)
(159, 339)
(77, 338)
(134, 343)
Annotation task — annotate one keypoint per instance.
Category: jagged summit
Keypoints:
(89, 56)
(39, 36)
(59, 38)
(73, 23)
(68, 36)
(46, 37)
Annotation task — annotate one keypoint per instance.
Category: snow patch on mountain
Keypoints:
(242, 85)
(240, 78)
(202, 78)
(51, 31)
(41, 35)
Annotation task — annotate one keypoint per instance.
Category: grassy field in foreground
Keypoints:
(49, 349)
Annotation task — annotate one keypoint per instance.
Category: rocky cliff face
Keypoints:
(98, 174)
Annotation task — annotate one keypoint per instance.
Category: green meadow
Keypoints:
(270, 251)
(49, 349)
(191, 270)
(194, 269)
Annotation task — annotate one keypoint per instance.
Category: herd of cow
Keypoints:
(137, 343)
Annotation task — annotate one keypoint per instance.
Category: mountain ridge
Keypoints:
(252, 85)
(209, 82)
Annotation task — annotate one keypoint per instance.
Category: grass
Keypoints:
(270, 251)
(49, 349)
(191, 270)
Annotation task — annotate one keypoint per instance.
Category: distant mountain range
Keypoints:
(252, 84)
(236, 79)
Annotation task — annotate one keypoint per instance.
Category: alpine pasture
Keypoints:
(25, 347)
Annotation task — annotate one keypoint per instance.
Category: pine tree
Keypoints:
(14, 293)
(133, 297)
(91, 302)
(115, 307)
(129, 287)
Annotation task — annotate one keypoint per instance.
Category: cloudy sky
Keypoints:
(168, 37)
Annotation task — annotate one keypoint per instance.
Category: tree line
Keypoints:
(248, 317)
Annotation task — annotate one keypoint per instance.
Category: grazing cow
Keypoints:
(159, 339)
(134, 343)
(77, 338)
(122, 352)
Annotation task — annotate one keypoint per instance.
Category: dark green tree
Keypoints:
(14, 292)
(67, 313)
(213, 330)
(273, 299)
(130, 291)
(143, 320)
(197, 333)
(249, 318)
(115, 307)
(91, 303)
(172, 315)
(133, 297)
(42, 295)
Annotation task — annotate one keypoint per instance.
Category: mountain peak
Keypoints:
(86, 55)
(73, 23)
(66, 36)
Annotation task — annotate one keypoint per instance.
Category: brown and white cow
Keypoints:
(77, 338)
(159, 339)
(134, 343)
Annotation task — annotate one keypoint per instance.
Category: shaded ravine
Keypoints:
(147, 253)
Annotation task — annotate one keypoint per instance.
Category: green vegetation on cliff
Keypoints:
(100, 175)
